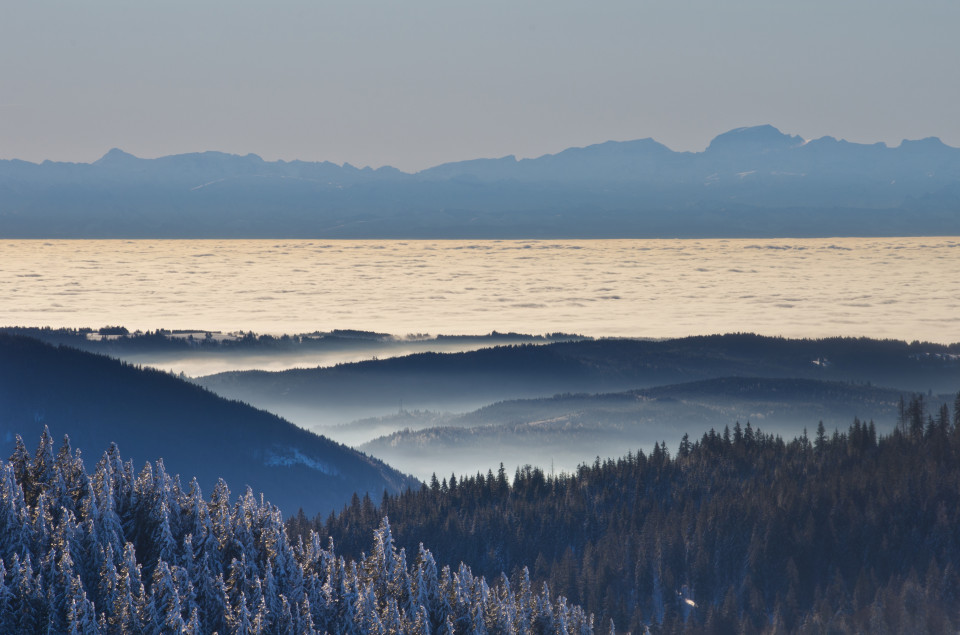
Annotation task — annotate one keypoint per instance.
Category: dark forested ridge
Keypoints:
(98, 400)
(116, 552)
(569, 429)
(118, 341)
(466, 381)
(738, 532)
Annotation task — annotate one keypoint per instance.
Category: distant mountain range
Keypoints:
(97, 400)
(749, 182)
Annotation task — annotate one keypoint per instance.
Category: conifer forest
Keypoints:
(122, 552)
(737, 532)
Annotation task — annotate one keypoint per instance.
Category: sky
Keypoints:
(417, 83)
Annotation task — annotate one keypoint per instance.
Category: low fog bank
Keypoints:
(567, 430)
(364, 430)
(318, 398)
(204, 363)
(197, 352)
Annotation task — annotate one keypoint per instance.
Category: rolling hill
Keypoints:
(97, 400)
(463, 382)
(566, 430)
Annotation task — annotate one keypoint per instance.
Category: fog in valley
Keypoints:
(202, 362)
(564, 431)
(463, 404)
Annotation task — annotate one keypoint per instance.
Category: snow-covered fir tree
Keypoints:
(123, 552)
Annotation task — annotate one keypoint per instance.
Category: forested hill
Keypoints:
(466, 381)
(97, 400)
(115, 552)
(738, 532)
(568, 429)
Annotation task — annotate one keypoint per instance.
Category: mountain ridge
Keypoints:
(749, 182)
(567, 430)
(465, 381)
(736, 135)
(97, 400)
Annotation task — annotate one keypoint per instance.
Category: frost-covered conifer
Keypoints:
(147, 557)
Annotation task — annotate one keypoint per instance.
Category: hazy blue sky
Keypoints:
(419, 82)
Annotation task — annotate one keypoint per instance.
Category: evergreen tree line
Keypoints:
(740, 531)
(120, 552)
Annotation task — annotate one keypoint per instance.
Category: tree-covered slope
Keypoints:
(738, 532)
(466, 381)
(120, 552)
(569, 429)
(97, 400)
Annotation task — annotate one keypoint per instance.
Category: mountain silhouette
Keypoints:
(749, 182)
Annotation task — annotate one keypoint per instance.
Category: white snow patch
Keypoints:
(203, 185)
(286, 457)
